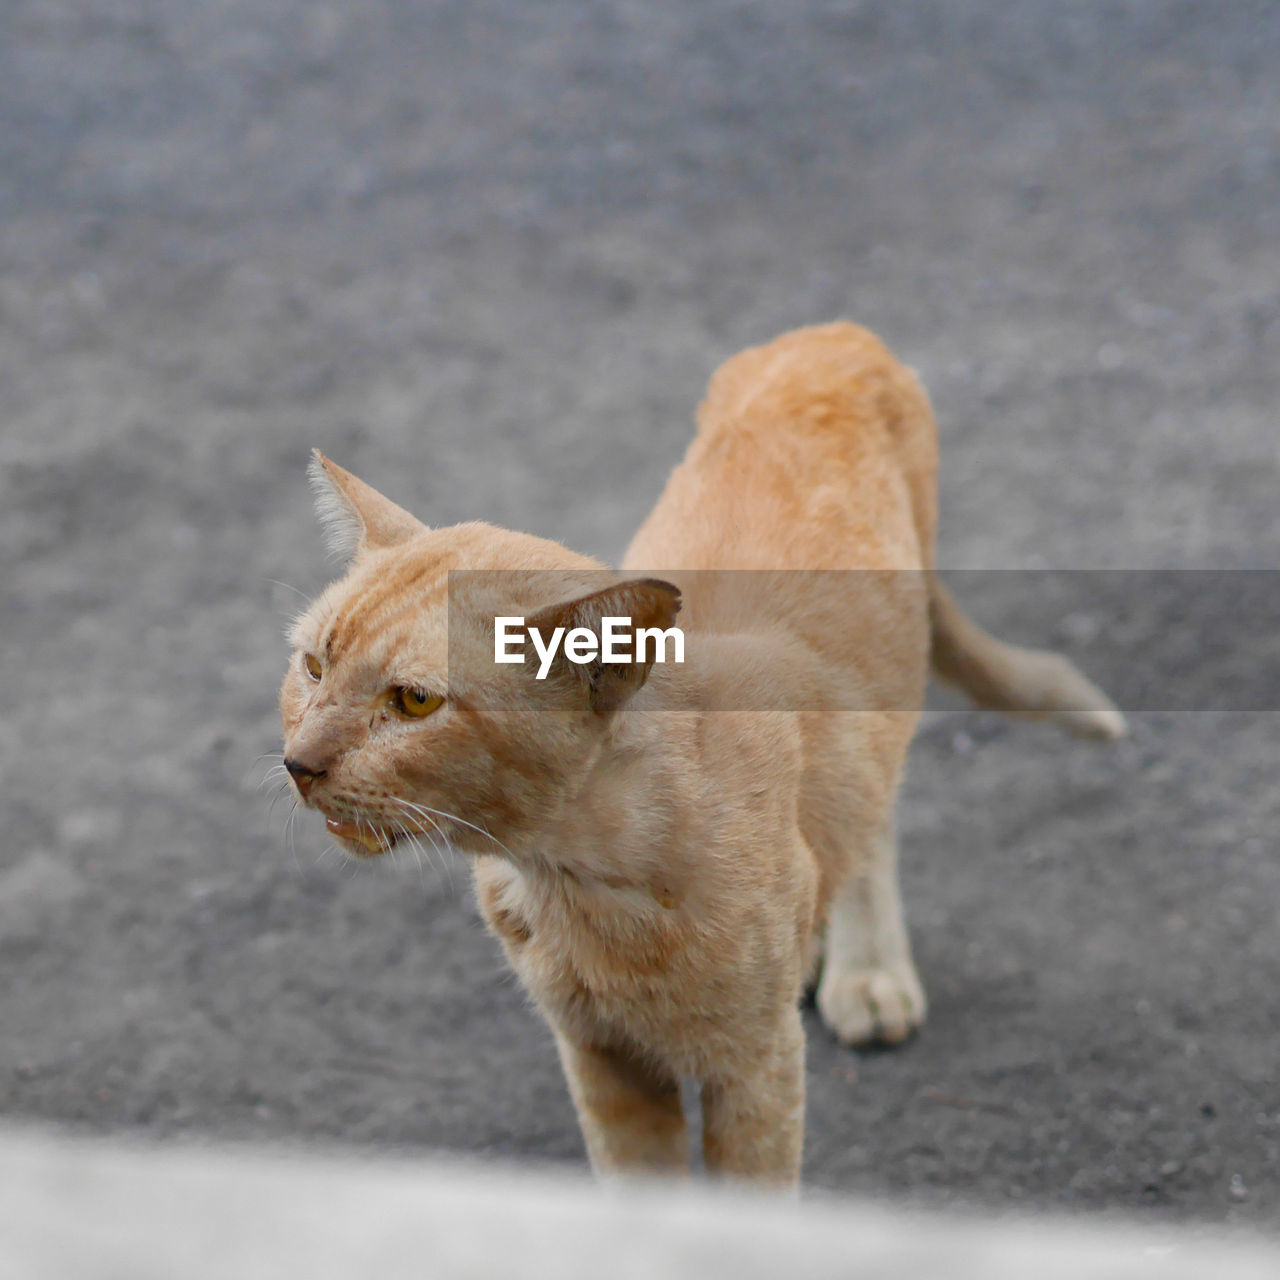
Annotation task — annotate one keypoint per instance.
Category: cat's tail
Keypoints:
(1030, 682)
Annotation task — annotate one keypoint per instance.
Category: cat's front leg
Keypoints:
(753, 1110)
(631, 1114)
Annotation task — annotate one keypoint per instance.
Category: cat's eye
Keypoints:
(416, 702)
(312, 664)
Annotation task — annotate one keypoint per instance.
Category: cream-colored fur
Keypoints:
(666, 860)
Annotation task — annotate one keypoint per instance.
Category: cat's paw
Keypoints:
(867, 1006)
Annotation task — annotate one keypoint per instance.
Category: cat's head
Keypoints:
(398, 721)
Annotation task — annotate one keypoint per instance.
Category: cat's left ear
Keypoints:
(645, 602)
(355, 517)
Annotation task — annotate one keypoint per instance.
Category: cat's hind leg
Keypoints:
(869, 990)
(631, 1114)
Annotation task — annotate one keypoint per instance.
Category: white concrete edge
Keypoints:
(83, 1207)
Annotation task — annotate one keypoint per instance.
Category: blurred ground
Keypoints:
(486, 255)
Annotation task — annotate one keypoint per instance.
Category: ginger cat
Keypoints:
(663, 873)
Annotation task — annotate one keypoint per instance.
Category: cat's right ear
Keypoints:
(354, 516)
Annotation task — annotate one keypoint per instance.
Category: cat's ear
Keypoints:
(354, 516)
(606, 686)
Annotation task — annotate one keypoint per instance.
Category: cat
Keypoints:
(669, 853)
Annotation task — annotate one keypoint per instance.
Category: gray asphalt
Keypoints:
(486, 255)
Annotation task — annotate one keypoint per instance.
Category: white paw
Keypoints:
(869, 1005)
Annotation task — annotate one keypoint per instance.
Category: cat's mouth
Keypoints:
(361, 838)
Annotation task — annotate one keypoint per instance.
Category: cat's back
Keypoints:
(833, 377)
(815, 450)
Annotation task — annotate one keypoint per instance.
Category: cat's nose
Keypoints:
(303, 775)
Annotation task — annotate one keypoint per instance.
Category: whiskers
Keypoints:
(276, 777)
(434, 833)
(417, 828)
(276, 771)
(430, 814)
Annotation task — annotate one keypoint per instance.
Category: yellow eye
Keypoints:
(312, 664)
(416, 703)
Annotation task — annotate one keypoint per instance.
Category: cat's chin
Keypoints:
(360, 839)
